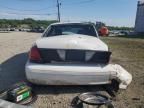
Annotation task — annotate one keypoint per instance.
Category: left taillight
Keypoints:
(34, 54)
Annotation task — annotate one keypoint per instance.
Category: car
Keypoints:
(72, 54)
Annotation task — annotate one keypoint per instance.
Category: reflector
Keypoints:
(34, 54)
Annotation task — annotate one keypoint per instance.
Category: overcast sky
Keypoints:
(112, 12)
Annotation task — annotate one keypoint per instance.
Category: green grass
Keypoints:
(129, 53)
(133, 37)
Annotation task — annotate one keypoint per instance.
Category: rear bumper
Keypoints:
(77, 74)
(68, 74)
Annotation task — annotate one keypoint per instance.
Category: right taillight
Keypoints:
(34, 54)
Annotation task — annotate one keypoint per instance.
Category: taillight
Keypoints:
(34, 54)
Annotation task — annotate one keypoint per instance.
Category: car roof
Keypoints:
(61, 23)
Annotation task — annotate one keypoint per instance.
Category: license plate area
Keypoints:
(75, 56)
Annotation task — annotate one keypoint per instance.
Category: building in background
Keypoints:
(139, 23)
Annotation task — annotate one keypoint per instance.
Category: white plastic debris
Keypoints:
(124, 77)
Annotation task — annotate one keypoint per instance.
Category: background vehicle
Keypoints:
(102, 29)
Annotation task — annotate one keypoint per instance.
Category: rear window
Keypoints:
(67, 29)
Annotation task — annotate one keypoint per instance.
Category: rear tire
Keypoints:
(112, 89)
(115, 85)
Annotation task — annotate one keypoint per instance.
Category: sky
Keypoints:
(111, 12)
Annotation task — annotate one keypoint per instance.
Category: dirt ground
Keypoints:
(127, 52)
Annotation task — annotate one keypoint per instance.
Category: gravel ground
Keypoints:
(127, 52)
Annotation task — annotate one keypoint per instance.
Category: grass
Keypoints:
(129, 53)
(133, 37)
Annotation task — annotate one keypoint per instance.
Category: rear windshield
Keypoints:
(56, 30)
